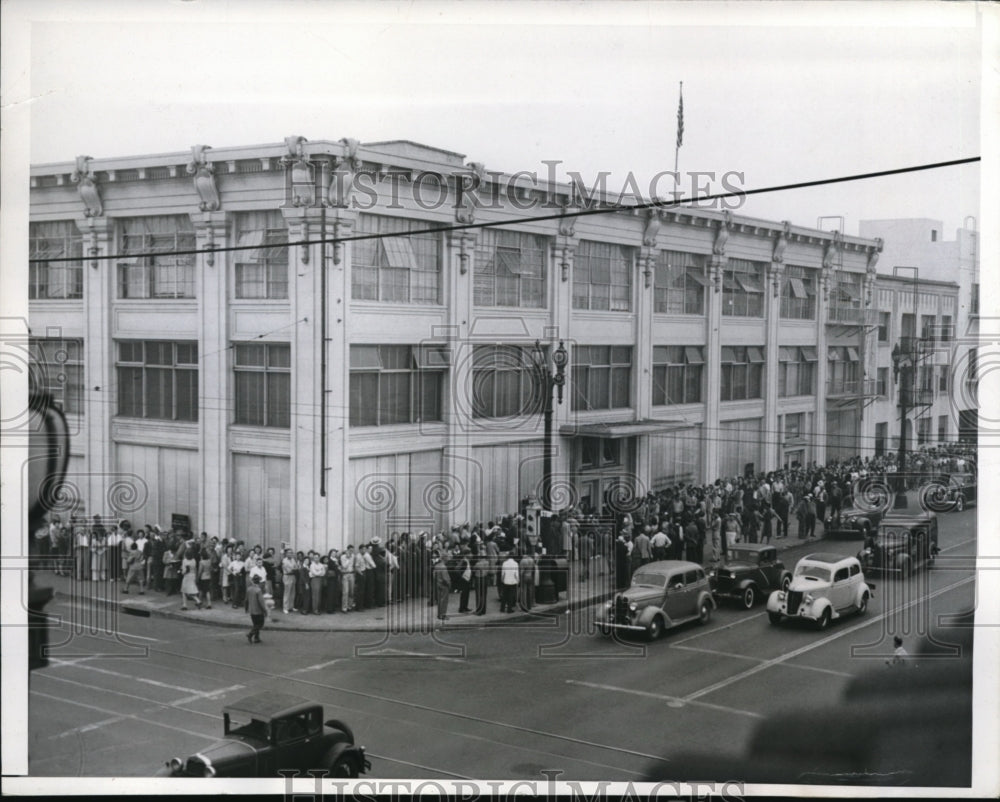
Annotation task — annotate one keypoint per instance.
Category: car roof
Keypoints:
(751, 546)
(269, 705)
(907, 517)
(826, 557)
(669, 566)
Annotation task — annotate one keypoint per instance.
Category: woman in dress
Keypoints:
(226, 559)
(189, 579)
(205, 577)
(237, 577)
(98, 555)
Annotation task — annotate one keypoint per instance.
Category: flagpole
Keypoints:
(680, 132)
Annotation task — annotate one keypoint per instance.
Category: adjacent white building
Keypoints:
(324, 393)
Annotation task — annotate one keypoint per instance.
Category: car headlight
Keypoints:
(633, 607)
(175, 764)
(781, 595)
(732, 575)
(808, 598)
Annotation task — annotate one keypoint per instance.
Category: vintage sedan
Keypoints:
(270, 732)
(824, 587)
(749, 572)
(961, 490)
(856, 521)
(904, 542)
(662, 595)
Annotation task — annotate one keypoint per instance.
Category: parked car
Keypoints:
(903, 543)
(824, 587)
(271, 732)
(960, 490)
(748, 572)
(662, 595)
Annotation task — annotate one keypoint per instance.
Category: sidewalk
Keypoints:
(407, 616)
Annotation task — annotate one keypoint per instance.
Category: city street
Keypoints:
(482, 702)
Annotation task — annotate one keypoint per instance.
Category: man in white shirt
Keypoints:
(289, 569)
(347, 580)
(510, 578)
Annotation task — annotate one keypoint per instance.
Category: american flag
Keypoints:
(680, 118)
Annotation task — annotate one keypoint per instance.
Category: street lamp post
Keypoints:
(903, 374)
(549, 380)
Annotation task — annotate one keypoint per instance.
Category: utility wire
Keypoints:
(568, 213)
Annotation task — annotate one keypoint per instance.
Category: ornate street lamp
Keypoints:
(903, 374)
(547, 381)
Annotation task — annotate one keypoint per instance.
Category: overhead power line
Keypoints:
(563, 215)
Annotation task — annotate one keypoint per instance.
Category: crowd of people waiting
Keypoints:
(686, 521)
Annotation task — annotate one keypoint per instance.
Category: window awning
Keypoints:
(616, 431)
(252, 240)
(729, 354)
(698, 274)
(694, 355)
(809, 353)
(852, 354)
(787, 354)
(748, 284)
(399, 252)
(755, 354)
(433, 356)
(798, 288)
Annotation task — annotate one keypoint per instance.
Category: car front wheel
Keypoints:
(749, 597)
(786, 582)
(959, 503)
(655, 628)
(341, 765)
(705, 612)
(863, 606)
(824, 619)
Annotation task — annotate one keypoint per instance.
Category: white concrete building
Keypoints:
(321, 394)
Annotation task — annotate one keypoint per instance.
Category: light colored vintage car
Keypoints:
(824, 587)
(663, 594)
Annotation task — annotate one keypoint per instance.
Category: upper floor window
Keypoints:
(504, 382)
(680, 283)
(928, 327)
(845, 297)
(396, 384)
(395, 269)
(947, 332)
(908, 325)
(54, 240)
(796, 370)
(261, 272)
(263, 374)
(883, 327)
(509, 269)
(149, 265)
(843, 367)
(602, 377)
(974, 300)
(743, 288)
(602, 277)
(742, 372)
(798, 294)
(158, 379)
(60, 363)
(677, 374)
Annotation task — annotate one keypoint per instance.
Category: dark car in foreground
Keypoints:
(748, 573)
(663, 594)
(961, 490)
(271, 732)
(856, 521)
(904, 542)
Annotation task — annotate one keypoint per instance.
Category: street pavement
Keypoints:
(510, 697)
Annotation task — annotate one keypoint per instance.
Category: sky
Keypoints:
(776, 92)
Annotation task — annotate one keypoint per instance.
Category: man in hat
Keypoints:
(442, 585)
(257, 609)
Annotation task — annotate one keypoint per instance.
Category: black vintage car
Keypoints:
(903, 543)
(749, 571)
(270, 732)
(961, 490)
(856, 521)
